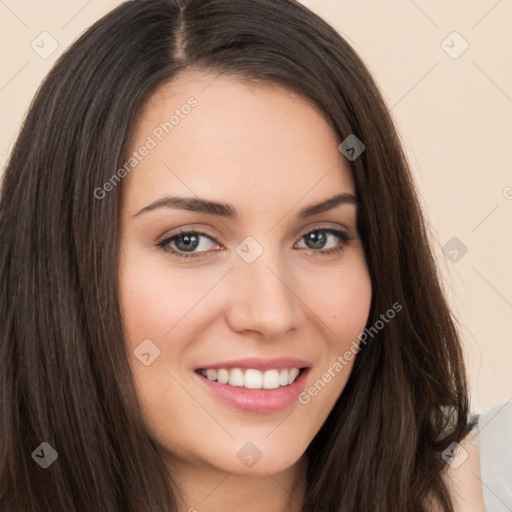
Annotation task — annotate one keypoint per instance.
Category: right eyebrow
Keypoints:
(193, 204)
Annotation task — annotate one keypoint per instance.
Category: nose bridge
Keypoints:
(262, 293)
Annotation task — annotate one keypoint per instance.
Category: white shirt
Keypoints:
(495, 441)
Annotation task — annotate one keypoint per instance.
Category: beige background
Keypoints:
(454, 113)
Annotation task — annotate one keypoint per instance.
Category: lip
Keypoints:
(257, 400)
(278, 363)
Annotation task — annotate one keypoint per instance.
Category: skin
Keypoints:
(465, 481)
(268, 153)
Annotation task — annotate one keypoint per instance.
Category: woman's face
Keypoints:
(268, 276)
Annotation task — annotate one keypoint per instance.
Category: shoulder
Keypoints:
(463, 474)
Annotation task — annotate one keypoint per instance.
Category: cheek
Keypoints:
(143, 309)
(351, 308)
(154, 299)
(342, 300)
(344, 307)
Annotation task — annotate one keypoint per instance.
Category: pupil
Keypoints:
(190, 242)
(318, 239)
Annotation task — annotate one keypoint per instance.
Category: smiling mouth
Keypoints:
(251, 378)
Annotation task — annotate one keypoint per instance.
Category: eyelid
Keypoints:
(206, 231)
(325, 226)
(186, 230)
(164, 240)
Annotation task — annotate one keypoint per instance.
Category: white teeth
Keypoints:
(271, 379)
(236, 377)
(222, 376)
(252, 379)
(292, 375)
(211, 374)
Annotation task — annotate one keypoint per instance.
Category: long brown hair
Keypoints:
(65, 376)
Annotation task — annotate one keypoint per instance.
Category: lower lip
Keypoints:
(257, 400)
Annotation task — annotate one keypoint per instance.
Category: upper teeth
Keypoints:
(252, 379)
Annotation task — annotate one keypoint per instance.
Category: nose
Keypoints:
(262, 297)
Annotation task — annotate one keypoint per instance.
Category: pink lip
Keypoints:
(277, 363)
(257, 400)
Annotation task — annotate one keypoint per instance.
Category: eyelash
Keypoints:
(341, 235)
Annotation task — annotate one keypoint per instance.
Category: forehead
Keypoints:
(220, 136)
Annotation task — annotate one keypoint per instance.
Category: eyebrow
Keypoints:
(226, 210)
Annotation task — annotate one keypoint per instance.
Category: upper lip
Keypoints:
(259, 363)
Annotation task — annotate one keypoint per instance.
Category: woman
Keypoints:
(217, 286)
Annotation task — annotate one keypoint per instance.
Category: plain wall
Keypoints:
(452, 106)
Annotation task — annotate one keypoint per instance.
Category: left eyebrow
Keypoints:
(329, 204)
(226, 210)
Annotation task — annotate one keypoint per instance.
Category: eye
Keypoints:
(192, 244)
(184, 244)
(329, 240)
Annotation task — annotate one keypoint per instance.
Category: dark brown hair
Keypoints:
(65, 376)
